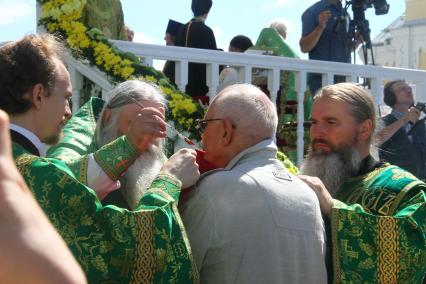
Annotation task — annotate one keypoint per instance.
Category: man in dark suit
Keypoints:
(197, 34)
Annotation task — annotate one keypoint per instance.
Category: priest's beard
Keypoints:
(139, 176)
(142, 172)
(333, 168)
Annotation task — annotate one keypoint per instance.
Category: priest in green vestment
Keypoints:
(97, 124)
(376, 211)
(273, 40)
(107, 16)
(112, 245)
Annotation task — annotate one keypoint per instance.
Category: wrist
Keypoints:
(405, 120)
(135, 143)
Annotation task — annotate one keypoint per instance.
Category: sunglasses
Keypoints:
(202, 123)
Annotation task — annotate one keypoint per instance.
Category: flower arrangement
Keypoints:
(62, 17)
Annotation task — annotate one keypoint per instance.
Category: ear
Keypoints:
(365, 130)
(228, 132)
(37, 95)
(106, 116)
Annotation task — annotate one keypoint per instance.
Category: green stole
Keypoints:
(378, 228)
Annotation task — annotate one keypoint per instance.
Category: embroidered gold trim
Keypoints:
(23, 160)
(143, 270)
(402, 194)
(115, 157)
(84, 165)
(170, 179)
(161, 193)
(387, 243)
(334, 239)
(196, 276)
(368, 176)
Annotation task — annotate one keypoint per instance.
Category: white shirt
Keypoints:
(41, 147)
(97, 179)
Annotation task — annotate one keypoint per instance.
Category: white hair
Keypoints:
(139, 176)
(280, 27)
(123, 94)
(249, 109)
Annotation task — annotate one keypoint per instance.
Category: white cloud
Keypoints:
(143, 38)
(12, 11)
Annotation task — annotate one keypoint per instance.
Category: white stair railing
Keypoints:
(245, 63)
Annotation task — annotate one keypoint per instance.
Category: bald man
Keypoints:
(250, 220)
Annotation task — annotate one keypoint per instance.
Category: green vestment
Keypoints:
(269, 39)
(107, 16)
(113, 245)
(378, 228)
(78, 141)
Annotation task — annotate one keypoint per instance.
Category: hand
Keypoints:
(27, 239)
(183, 166)
(324, 197)
(412, 115)
(147, 126)
(323, 18)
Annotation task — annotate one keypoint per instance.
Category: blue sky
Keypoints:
(227, 18)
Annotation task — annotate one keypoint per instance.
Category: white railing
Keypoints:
(244, 64)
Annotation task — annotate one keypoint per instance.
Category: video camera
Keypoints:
(359, 23)
(421, 106)
(381, 7)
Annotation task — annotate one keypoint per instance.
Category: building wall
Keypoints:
(405, 47)
(415, 9)
(422, 63)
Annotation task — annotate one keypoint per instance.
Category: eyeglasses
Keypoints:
(202, 123)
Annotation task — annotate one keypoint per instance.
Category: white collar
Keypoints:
(41, 147)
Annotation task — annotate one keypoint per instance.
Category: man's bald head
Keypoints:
(253, 114)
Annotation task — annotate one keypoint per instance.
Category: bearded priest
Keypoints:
(112, 244)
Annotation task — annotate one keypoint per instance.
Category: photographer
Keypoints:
(402, 141)
(325, 36)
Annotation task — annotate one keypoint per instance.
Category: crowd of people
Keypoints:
(91, 197)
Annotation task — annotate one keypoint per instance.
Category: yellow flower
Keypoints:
(151, 79)
(126, 72)
(189, 106)
(176, 96)
(65, 15)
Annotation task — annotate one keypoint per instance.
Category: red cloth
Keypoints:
(204, 99)
(203, 165)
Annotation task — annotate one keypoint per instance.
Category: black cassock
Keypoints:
(197, 35)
